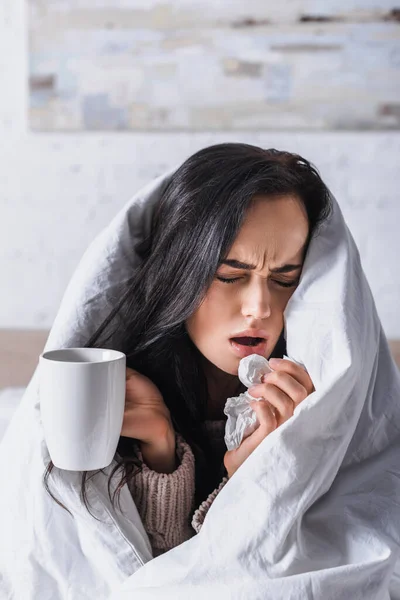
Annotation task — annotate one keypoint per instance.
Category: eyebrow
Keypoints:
(237, 264)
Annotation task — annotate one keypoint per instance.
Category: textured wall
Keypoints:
(58, 190)
(206, 65)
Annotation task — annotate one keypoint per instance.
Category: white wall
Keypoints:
(58, 190)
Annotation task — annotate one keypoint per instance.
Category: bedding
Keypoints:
(313, 513)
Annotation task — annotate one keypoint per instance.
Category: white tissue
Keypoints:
(252, 368)
(242, 420)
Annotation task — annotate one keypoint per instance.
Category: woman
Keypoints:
(228, 241)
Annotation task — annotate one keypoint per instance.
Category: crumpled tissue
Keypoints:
(242, 420)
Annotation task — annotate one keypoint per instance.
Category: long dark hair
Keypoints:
(194, 225)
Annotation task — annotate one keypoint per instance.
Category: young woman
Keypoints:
(228, 241)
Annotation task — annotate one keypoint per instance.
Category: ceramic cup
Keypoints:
(82, 401)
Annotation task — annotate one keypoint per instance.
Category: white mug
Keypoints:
(82, 402)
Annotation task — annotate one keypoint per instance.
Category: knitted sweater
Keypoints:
(165, 502)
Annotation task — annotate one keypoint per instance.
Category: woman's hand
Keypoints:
(281, 391)
(147, 419)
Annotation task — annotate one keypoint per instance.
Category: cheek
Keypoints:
(212, 314)
(284, 298)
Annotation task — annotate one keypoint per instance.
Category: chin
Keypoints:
(230, 367)
(233, 371)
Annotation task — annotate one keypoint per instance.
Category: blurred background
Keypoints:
(97, 97)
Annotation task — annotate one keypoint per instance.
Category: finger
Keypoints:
(268, 423)
(279, 400)
(129, 373)
(266, 414)
(295, 370)
(288, 384)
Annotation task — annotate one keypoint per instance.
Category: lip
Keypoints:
(243, 351)
(261, 333)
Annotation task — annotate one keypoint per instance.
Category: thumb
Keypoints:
(266, 414)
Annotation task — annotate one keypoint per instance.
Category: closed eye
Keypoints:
(286, 284)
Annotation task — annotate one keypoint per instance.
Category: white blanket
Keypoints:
(9, 400)
(313, 513)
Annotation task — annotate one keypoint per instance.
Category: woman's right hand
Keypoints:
(146, 416)
(147, 419)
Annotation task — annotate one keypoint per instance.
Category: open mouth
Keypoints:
(245, 345)
(248, 341)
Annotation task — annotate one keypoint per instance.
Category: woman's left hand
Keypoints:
(282, 390)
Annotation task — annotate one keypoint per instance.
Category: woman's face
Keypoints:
(242, 312)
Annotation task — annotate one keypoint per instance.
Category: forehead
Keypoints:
(274, 229)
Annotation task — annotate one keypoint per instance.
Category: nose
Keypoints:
(256, 302)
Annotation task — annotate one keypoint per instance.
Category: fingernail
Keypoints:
(264, 378)
(275, 362)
